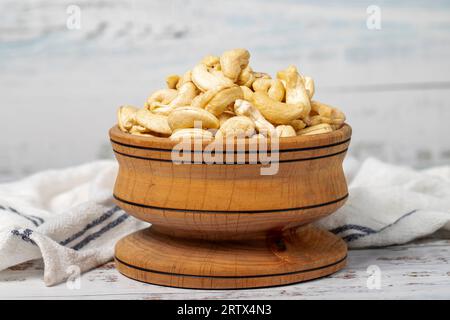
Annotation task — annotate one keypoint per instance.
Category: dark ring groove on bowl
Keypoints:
(236, 151)
(286, 144)
(225, 201)
(230, 277)
(228, 163)
(231, 211)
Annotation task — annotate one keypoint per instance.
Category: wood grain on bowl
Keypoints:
(226, 225)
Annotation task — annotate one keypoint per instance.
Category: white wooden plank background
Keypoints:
(420, 270)
(60, 88)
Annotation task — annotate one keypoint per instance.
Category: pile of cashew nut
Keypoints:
(223, 97)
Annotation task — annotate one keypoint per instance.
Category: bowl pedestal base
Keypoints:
(296, 255)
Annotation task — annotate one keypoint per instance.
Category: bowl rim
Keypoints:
(339, 136)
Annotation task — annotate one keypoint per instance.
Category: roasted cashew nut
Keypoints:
(126, 117)
(233, 62)
(317, 129)
(184, 97)
(295, 89)
(273, 87)
(189, 117)
(238, 126)
(153, 122)
(206, 79)
(191, 133)
(285, 131)
(245, 108)
(275, 111)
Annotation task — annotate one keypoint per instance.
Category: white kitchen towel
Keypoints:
(391, 204)
(67, 216)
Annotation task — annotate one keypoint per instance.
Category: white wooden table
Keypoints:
(420, 270)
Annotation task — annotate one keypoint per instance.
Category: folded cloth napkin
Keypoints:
(67, 216)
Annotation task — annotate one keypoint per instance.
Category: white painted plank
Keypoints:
(413, 271)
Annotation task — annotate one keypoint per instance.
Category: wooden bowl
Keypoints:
(227, 225)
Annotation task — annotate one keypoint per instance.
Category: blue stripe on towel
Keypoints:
(90, 225)
(27, 215)
(25, 235)
(97, 234)
(23, 215)
(367, 231)
(346, 227)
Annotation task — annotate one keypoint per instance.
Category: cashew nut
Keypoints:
(334, 123)
(139, 130)
(295, 88)
(336, 126)
(218, 99)
(261, 75)
(126, 117)
(326, 110)
(285, 131)
(191, 133)
(273, 87)
(233, 62)
(245, 108)
(186, 77)
(298, 124)
(206, 79)
(323, 113)
(188, 117)
(153, 122)
(203, 98)
(248, 93)
(163, 96)
(225, 94)
(187, 92)
(212, 62)
(219, 103)
(309, 86)
(246, 77)
(317, 129)
(225, 116)
(238, 126)
(172, 81)
(275, 111)
(258, 137)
